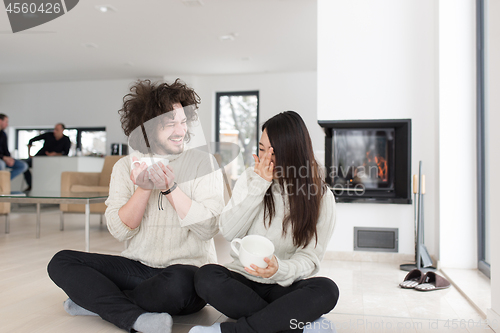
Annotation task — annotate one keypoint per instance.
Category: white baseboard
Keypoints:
(493, 319)
(366, 256)
(399, 258)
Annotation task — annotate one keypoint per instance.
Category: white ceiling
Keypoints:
(153, 38)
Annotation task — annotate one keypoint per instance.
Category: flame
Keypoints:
(381, 164)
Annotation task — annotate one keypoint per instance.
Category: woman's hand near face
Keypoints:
(265, 168)
(267, 272)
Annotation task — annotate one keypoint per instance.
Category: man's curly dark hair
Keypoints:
(148, 100)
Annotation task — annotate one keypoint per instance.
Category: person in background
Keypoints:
(6, 161)
(55, 144)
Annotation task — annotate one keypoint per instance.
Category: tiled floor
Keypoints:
(370, 299)
(474, 284)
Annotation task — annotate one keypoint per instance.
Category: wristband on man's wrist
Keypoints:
(160, 201)
(170, 189)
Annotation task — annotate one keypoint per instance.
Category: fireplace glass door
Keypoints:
(363, 159)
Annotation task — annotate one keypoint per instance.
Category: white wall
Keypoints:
(278, 92)
(492, 152)
(457, 134)
(96, 103)
(378, 60)
(80, 103)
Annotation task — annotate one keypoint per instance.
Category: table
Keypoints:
(56, 197)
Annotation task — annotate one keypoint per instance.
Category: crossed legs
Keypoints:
(120, 290)
(264, 308)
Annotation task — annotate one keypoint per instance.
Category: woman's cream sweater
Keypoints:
(244, 215)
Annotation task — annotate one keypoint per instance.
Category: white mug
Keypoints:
(253, 249)
(150, 161)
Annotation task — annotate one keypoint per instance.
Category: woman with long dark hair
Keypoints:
(285, 199)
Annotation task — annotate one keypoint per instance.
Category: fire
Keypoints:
(381, 164)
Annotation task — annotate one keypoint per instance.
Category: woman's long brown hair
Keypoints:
(297, 169)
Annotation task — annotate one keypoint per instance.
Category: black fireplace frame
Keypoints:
(402, 152)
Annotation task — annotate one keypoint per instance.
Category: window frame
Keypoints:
(483, 266)
(236, 93)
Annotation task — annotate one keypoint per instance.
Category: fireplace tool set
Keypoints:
(423, 260)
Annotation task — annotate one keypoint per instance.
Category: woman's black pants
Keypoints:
(264, 308)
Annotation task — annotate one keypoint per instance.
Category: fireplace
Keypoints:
(369, 160)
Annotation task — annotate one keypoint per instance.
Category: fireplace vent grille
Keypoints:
(376, 239)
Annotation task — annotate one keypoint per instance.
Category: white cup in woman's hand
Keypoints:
(253, 249)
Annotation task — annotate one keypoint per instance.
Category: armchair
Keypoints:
(78, 182)
(5, 189)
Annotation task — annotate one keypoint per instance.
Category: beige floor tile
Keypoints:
(349, 303)
(385, 305)
(346, 323)
(473, 283)
(350, 265)
(436, 308)
(324, 271)
(434, 326)
(347, 280)
(181, 328)
(461, 306)
(378, 267)
(389, 324)
(206, 317)
(479, 326)
(224, 319)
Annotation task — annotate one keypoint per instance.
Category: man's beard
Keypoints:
(166, 149)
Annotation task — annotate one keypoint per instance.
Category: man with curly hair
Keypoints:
(168, 239)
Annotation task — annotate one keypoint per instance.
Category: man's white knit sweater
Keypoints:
(244, 215)
(163, 238)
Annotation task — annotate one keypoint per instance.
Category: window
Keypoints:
(483, 222)
(90, 141)
(237, 121)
